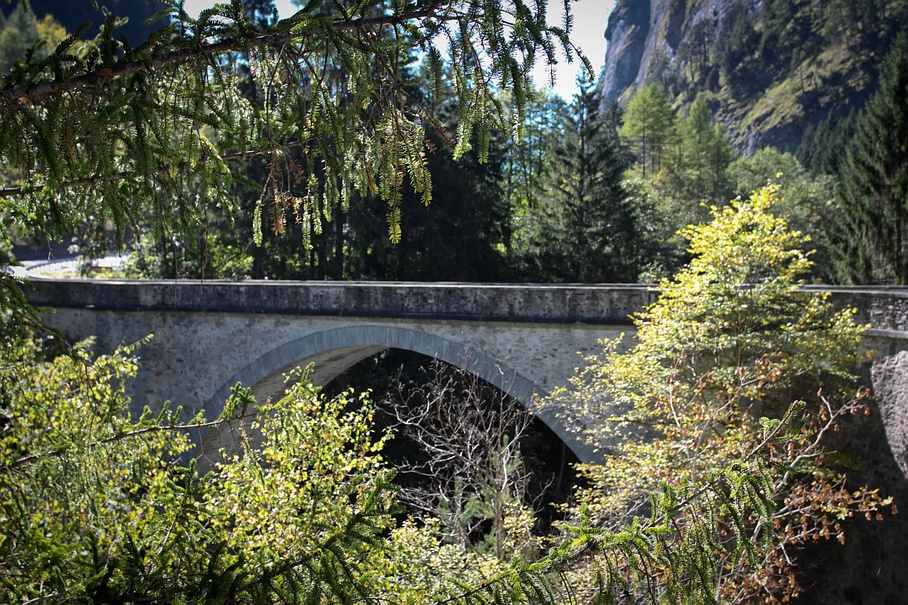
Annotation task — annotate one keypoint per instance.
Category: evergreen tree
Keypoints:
(588, 232)
(528, 164)
(460, 236)
(650, 126)
(821, 147)
(17, 34)
(875, 182)
(695, 178)
(736, 45)
(691, 179)
(463, 234)
(706, 152)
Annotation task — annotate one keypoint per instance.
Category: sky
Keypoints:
(590, 20)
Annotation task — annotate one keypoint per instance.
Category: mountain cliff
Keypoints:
(771, 68)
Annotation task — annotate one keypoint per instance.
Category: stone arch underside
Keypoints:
(334, 350)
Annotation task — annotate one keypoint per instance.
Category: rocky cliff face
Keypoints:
(771, 68)
(628, 29)
(644, 36)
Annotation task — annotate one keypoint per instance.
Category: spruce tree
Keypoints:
(875, 182)
(309, 115)
(147, 136)
(589, 230)
(820, 150)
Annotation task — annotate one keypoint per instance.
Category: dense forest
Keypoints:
(346, 143)
(592, 192)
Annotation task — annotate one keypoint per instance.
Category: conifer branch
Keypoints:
(37, 90)
(14, 190)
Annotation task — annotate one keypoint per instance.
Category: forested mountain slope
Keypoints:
(773, 69)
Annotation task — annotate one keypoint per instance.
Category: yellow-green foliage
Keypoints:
(80, 484)
(95, 508)
(711, 424)
(315, 474)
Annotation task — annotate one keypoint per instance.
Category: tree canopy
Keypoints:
(587, 231)
(97, 509)
(714, 423)
(97, 133)
(874, 210)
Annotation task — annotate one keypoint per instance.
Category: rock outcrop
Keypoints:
(627, 32)
(644, 37)
(771, 68)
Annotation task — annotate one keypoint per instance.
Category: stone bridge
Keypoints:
(524, 339)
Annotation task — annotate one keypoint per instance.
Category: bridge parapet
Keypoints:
(884, 308)
(562, 303)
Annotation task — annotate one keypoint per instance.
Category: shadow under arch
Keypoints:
(335, 350)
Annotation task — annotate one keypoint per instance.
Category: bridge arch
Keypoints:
(334, 350)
